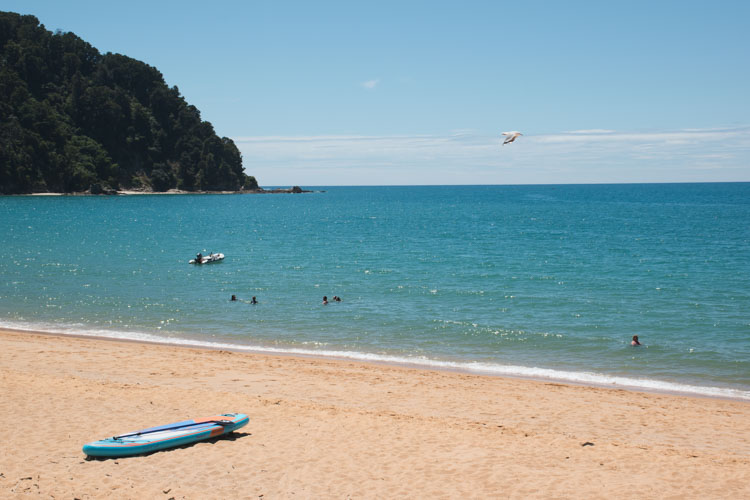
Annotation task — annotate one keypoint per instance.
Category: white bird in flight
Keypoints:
(510, 136)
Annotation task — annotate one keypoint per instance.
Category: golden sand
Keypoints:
(339, 429)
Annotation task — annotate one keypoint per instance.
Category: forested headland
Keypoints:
(75, 120)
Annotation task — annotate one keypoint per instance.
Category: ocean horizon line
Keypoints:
(573, 184)
(317, 187)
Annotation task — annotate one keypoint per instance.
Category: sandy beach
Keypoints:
(339, 429)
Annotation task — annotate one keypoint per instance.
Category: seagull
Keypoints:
(511, 136)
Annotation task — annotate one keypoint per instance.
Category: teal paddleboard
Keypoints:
(166, 436)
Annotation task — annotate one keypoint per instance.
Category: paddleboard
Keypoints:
(166, 436)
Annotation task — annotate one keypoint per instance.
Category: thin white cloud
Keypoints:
(468, 157)
(371, 84)
(591, 131)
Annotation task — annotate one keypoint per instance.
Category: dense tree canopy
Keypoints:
(72, 118)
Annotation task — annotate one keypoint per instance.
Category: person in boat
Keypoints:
(635, 342)
(199, 258)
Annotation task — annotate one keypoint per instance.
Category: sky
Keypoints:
(326, 93)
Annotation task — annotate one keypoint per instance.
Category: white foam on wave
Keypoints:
(480, 368)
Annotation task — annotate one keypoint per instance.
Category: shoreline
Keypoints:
(336, 428)
(581, 379)
(134, 192)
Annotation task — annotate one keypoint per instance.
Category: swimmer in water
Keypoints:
(635, 340)
(253, 301)
(234, 298)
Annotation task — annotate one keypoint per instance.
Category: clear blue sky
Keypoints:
(411, 92)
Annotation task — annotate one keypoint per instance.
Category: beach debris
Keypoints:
(588, 443)
(511, 136)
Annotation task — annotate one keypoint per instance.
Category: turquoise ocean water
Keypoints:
(538, 281)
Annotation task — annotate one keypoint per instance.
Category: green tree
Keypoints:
(71, 117)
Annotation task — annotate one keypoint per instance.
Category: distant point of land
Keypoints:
(73, 120)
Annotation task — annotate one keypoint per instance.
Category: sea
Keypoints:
(546, 282)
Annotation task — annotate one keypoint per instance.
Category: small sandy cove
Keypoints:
(339, 429)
